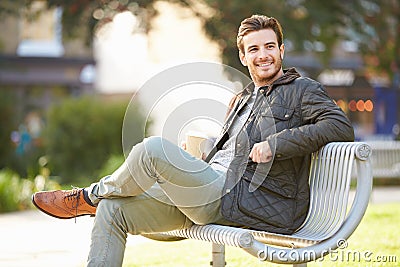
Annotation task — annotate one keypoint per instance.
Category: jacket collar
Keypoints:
(289, 75)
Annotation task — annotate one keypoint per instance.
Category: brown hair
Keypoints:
(256, 23)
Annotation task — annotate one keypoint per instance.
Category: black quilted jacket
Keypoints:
(296, 117)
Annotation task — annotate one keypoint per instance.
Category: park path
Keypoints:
(33, 239)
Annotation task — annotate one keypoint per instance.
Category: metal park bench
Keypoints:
(329, 221)
(385, 159)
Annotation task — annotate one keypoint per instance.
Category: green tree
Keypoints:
(375, 25)
(12, 7)
(316, 25)
(309, 24)
(91, 13)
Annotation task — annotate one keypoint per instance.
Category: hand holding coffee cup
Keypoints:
(196, 143)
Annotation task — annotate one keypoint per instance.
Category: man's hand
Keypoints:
(184, 147)
(261, 152)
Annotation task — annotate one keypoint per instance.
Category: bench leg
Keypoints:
(300, 265)
(218, 255)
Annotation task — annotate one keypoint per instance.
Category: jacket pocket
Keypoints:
(273, 202)
(279, 115)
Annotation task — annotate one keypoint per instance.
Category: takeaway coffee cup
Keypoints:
(196, 143)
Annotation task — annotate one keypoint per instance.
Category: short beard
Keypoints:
(271, 78)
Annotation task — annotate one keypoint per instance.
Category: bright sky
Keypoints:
(121, 56)
(127, 60)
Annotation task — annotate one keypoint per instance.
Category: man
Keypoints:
(258, 169)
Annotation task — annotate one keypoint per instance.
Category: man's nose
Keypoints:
(263, 53)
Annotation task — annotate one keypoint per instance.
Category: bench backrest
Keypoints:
(330, 177)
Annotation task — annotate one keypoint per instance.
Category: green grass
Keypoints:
(377, 236)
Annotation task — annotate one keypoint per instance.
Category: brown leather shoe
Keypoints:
(63, 204)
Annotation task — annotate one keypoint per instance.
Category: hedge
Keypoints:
(81, 134)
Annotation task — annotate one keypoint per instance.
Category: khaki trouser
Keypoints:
(159, 187)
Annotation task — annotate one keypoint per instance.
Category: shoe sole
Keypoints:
(58, 217)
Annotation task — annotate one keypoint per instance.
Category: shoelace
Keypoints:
(74, 196)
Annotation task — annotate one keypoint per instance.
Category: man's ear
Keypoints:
(242, 59)
(282, 50)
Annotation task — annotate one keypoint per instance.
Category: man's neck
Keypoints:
(270, 82)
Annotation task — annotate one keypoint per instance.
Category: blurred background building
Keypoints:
(38, 66)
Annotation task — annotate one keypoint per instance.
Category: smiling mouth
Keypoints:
(265, 64)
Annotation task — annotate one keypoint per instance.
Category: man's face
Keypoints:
(262, 56)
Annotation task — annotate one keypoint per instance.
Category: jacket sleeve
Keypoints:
(322, 122)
